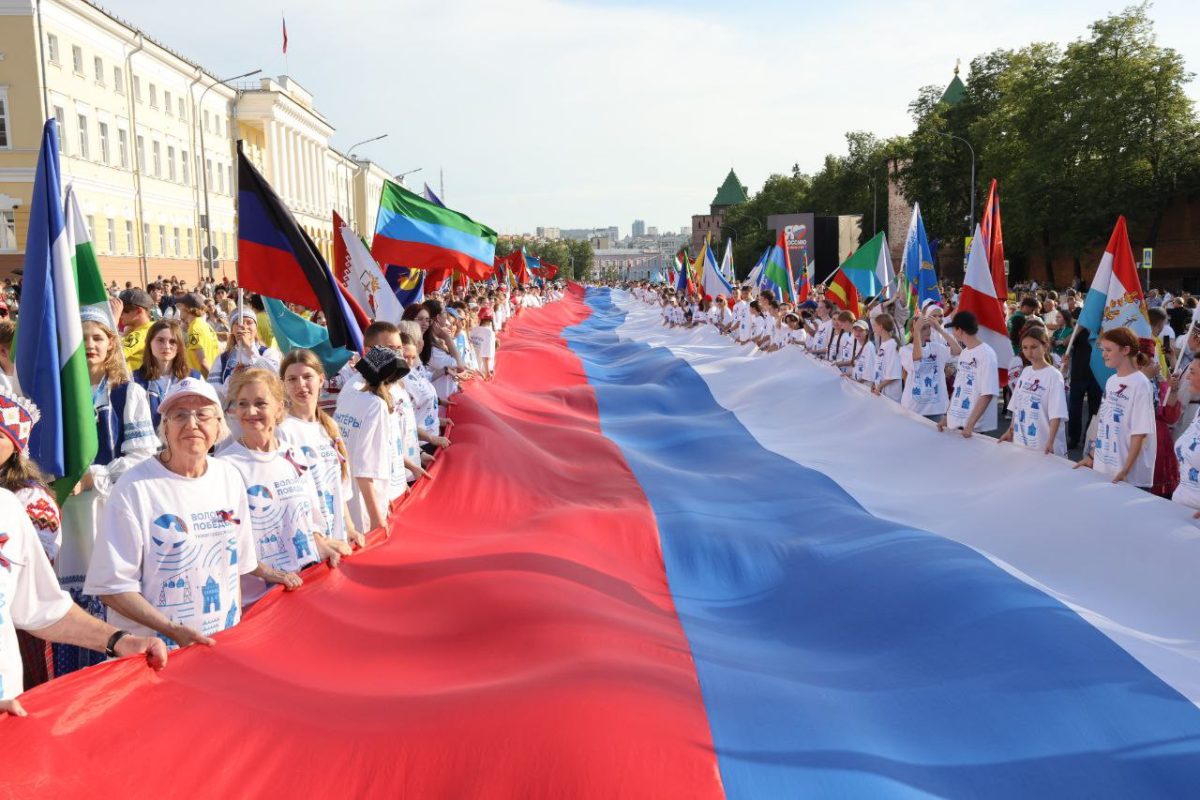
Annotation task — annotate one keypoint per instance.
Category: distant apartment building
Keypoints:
(552, 234)
(639, 228)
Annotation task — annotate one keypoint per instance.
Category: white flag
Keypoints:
(365, 280)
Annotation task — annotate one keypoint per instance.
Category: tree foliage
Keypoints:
(1074, 135)
(572, 257)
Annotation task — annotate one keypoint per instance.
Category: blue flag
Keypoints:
(407, 284)
(294, 332)
(917, 263)
(431, 197)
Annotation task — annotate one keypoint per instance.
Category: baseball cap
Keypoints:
(137, 297)
(189, 387)
(485, 313)
(191, 300)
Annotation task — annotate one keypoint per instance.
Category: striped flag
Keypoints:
(870, 268)
(777, 275)
(715, 283)
(979, 297)
(727, 261)
(60, 275)
(415, 232)
(1115, 298)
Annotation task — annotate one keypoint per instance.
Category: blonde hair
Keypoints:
(412, 328)
(114, 363)
(243, 378)
(307, 358)
(232, 341)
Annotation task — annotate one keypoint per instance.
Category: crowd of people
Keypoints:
(224, 467)
(1042, 393)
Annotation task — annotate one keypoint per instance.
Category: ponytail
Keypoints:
(1126, 339)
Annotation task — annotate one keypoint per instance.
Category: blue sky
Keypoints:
(578, 113)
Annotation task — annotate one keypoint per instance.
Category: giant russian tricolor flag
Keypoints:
(669, 589)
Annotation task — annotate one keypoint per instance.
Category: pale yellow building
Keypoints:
(148, 139)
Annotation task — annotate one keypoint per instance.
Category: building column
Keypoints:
(309, 159)
(285, 162)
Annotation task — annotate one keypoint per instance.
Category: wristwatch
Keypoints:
(110, 648)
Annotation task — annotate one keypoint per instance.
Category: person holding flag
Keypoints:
(976, 381)
(1125, 445)
(924, 361)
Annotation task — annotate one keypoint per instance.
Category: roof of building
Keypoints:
(956, 91)
(731, 192)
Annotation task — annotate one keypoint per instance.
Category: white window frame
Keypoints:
(60, 114)
(123, 147)
(5, 120)
(52, 54)
(118, 79)
(112, 235)
(85, 151)
(105, 151)
(171, 163)
(77, 59)
(130, 241)
(8, 230)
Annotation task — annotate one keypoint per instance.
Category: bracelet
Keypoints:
(110, 648)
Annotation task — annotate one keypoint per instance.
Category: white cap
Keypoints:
(189, 387)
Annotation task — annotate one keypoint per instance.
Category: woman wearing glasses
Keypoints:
(175, 537)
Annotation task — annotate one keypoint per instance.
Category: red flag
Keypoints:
(341, 256)
(980, 298)
(285, 36)
(993, 240)
(843, 293)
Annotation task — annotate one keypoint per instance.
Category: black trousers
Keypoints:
(1081, 387)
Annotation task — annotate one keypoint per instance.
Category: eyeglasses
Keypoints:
(181, 416)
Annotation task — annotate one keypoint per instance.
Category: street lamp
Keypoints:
(971, 223)
(350, 211)
(208, 251)
(399, 176)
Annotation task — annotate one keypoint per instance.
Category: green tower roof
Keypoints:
(956, 91)
(731, 192)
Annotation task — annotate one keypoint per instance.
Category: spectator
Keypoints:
(176, 534)
(202, 344)
(133, 313)
(285, 511)
(163, 364)
(976, 383)
(315, 435)
(1125, 442)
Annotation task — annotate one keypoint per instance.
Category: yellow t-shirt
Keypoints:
(134, 343)
(200, 335)
(264, 328)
